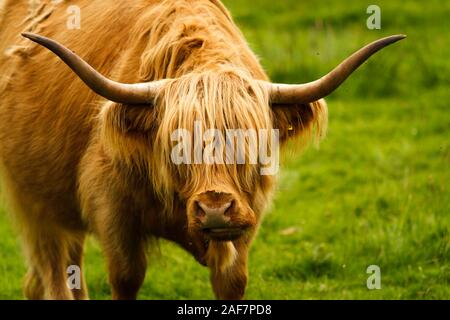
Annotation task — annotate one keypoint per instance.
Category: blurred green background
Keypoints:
(374, 193)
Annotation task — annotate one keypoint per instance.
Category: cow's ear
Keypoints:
(130, 119)
(300, 120)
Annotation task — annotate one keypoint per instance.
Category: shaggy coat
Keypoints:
(73, 163)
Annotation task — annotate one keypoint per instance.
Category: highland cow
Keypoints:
(95, 157)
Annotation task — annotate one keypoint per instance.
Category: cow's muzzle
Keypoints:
(215, 213)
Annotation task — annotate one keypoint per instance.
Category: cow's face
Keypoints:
(210, 135)
(211, 141)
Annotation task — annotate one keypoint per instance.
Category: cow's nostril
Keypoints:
(230, 208)
(199, 212)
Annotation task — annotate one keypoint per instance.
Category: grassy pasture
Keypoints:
(374, 193)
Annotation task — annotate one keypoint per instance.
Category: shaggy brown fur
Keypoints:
(73, 163)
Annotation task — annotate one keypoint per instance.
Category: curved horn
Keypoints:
(313, 91)
(139, 93)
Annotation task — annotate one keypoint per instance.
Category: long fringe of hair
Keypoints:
(222, 99)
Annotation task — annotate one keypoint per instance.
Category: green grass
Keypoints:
(375, 192)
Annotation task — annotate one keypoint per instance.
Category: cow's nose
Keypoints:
(214, 216)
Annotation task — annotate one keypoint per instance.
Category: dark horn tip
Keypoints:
(398, 37)
(391, 39)
(29, 35)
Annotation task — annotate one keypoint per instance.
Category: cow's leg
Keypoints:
(127, 266)
(45, 243)
(48, 255)
(124, 248)
(76, 251)
(230, 282)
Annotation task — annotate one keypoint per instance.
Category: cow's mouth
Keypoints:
(223, 234)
